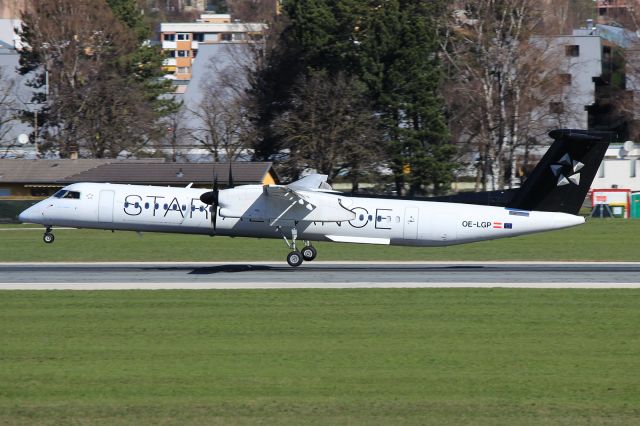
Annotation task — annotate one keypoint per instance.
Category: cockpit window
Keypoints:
(63, 193)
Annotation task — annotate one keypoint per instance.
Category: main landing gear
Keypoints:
(295, 257)
(48, 236)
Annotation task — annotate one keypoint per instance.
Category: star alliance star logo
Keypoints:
(566, 164)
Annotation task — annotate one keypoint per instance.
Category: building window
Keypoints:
(226, 36)
(556, 107)
(565, 79)
(183, 36)
(169, 37)
(5, 192)
(182, 53)
(572, 50)
(199, 37)
(184, 70)
(170, 53)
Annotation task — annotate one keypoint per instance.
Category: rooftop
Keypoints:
(149, 171)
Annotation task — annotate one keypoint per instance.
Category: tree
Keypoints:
(392, 48)
(101, 97)
(221, 125)
(400, 63)
(498, 79)
(276, 68)
(329, 128)
(220, 121)
(8, 112)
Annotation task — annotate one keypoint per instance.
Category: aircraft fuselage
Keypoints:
(371, 220)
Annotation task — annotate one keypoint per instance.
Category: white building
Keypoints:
(181, 41)
(620, 168)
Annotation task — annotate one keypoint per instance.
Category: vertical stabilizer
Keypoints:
(561, 180)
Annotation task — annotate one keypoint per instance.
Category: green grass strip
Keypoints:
(598, 240)
(404, 356)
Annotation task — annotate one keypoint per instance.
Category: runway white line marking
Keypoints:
(270, 286)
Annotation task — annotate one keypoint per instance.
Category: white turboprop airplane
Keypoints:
(309, 210)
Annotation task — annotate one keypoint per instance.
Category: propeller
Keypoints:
(211, 198)
(230, 175)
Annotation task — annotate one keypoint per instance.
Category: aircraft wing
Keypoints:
(308, 199)
(314, 194)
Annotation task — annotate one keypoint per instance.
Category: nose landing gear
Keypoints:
(48, 236)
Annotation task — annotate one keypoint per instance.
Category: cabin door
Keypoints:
(105, 206)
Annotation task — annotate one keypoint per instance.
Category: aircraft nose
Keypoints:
(30, 215)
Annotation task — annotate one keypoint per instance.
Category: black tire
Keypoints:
(294, 259)
(48, 237)
(309, 253)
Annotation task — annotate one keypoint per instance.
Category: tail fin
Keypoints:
(561, 180)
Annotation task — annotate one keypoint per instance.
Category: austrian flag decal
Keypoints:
(500, 225)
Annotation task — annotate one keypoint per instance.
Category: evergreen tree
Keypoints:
(401, 65)
(392, 47)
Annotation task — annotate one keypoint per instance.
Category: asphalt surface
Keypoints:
(97, 276)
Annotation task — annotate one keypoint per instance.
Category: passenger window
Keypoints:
(137, 205)
(166, 206)
(146, 205)
(184, 208)
(126, 204)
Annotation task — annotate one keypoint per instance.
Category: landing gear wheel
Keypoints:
(48, 237)
(309, 253)
(294, 259)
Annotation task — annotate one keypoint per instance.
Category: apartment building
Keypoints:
(181, 41)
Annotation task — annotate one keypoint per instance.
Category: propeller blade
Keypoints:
(230, 175)
(211, 198)
(214, 205)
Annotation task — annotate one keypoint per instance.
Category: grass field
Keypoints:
(598, 240)
(403, 356)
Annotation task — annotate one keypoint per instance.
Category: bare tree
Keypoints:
(499, 80)
(101, 97)
(221, 124)
(9, 112)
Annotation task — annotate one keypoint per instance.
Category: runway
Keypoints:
(271, 275)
